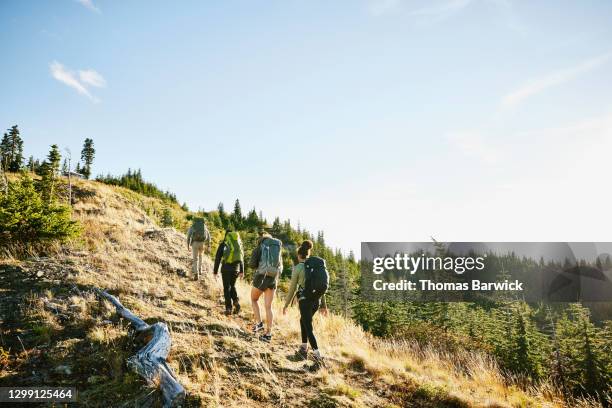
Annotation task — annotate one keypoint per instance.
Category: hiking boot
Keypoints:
(227, 312)
(300, 355)
(257, 327)
(236, 309)
(319, 363)
(266, 338)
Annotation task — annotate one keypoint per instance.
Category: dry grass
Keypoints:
(215, 357)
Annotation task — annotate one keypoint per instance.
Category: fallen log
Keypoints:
(150, 361)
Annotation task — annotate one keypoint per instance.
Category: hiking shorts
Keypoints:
(263, 282)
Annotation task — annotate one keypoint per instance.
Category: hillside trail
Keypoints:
(58, 332)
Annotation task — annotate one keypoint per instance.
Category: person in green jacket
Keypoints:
(307, 307)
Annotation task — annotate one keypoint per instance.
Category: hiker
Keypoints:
(309, 279)
(267, 261)
(231, 258)
(198, 238)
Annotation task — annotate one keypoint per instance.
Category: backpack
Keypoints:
(270, 260)
(199, 232)
(316, 278)
(232, 252)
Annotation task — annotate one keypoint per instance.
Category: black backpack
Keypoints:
(316, 278)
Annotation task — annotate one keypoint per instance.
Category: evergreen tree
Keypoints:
(30, 164)
(5, 152)
(50, 172)
(320, 242)
(252, 221)
(65, 167)
(222, 215)
(583, 346)
(87, 157)
(135, 182)
(237, 215)
(528, 357)
(167, 220)
(11, 150)
(276, 227)
(26, 218)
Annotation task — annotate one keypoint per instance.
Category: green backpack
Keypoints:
(233, 248)
(199, 232)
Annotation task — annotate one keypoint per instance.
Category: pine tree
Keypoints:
(65, 167)
(87, 156)
(30, 164)
(276, 227)
(26, 218)
(5, 152)
(37, 167)
(50, 171)
(558, 365)
(345, 297)
(583, 346)
(222, 215)
(252, 221)
(237, 215)
(167, 220)
(11, 150)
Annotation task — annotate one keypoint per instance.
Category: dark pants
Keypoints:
(229, 288)
(308, 308)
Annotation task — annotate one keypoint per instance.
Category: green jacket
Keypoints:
(298, 280)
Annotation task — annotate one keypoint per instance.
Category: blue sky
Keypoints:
(373, 120)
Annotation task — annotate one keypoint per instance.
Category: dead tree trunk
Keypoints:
(150, 361)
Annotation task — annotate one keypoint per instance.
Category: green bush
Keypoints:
(26, 218)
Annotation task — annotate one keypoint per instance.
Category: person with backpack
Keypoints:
(231, 258)
(267, 261)
(310, 280)
(198, 238)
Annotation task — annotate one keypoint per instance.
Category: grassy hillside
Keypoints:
(55, 331)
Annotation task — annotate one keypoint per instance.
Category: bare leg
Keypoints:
(255, 294)
(268, 298)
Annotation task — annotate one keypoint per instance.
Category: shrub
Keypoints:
(26, 218)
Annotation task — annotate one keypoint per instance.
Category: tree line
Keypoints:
(12, 157)
(134, 181)
(559, 342)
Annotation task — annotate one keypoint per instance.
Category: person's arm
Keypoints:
(292, 287)
(218, 256)
(241, 268)
(206, 235)
(189, 234)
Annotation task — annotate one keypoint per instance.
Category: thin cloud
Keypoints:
(77, 82)
(553, 79)
(92, 77)
(89, 5)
